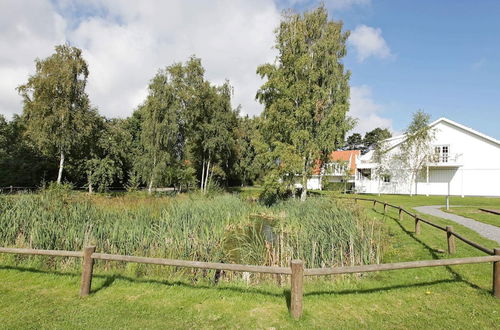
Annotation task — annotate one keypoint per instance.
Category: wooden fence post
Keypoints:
(374, 203)
(88, 267)
(451, 239)
(496, 275)
(385, 206)
(400, 213)
(355, 201)
(297, 283)
(417, 226)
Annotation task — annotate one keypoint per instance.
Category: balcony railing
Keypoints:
(445, 159)
(335, 169)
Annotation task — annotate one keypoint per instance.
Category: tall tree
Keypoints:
(56, 106)
(375, 136)
(110, 156)
(211, 123)
(21, 164)
(354, 142)
(162, 131)
(417, 146)
(306, 96)
(250, 151)
(212, 133)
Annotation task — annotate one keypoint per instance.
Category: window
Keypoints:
(365, 173)
(442, 153)
(386, 178)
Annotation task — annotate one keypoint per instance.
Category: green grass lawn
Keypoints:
(476, 214)
(457, 297)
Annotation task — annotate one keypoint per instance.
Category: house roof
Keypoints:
(396, 140)
(341, 155)
(346, 155)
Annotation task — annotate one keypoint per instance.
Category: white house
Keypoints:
(464, 162)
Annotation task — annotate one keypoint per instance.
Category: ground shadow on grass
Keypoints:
(457, 277)
(111, 278)
(380, 289)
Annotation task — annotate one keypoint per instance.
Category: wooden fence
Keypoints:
(450, 234)
(296, 269)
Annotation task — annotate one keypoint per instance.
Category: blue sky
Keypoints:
(440, 56)
(445, 59)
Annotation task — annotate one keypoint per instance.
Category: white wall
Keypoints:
(479, 174)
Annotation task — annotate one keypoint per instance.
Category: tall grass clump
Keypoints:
(220, 228)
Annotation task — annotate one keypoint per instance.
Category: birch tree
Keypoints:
(416, 149)
(306, 96)
(55, 105)
(213, 132)
(161, 138)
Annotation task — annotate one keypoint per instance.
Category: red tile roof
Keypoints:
(341, 155)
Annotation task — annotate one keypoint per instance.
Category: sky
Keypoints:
(442, 57)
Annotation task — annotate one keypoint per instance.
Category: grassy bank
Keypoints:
(476, 214)
(457, 297)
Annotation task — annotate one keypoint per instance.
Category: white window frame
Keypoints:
(442, 157)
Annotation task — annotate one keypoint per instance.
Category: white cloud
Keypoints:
(126, 42)
(368, 41)
(366, 110)
(28, 29)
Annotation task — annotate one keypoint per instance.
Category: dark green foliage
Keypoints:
(306, 95)
(354, 142)
(375, 136)
(250, 153)
(21, 164)
(110, 159)
(187, 129)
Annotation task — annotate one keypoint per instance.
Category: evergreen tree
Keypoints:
(354, 142)
(375, 136)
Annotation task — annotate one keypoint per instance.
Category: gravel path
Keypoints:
(483, 229)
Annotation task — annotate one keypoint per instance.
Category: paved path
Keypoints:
(483, 229)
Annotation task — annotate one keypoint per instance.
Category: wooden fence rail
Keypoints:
(296, 269)
(418, 220)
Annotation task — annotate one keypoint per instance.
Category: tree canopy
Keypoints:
(417, 146)
(56, 108)
(306, 96)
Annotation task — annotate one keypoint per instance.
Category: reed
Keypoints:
(221, 228)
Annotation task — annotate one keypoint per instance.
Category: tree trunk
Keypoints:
(206, 176)
(303, 195)
(203, 176)
(61, 165)
(90, 186)
(210, 179)
(411, 183)
(150, 188)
